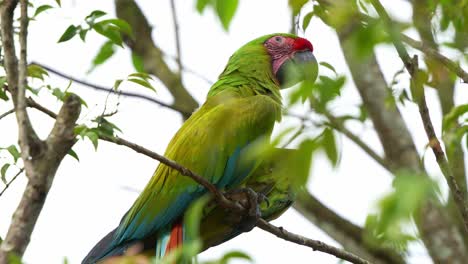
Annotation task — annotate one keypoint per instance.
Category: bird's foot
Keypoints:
(250, 200)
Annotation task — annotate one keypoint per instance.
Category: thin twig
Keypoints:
(11, 111)
(335, 123)
(11, 181)
(452, 66)
(177, 35)
(228, 204)
(110, 90)
(314, 244)
(412, 67)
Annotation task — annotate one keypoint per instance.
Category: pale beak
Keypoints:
(301, 67)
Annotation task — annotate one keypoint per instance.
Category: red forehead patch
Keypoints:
(302, 44)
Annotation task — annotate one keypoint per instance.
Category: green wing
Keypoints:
(210, 143)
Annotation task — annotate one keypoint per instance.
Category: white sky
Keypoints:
(88, 198)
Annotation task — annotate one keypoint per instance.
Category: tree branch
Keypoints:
(412, 67)
(229, 204)
(110, 90)
(11, 111)
(349, 235)
(152, 56)
(177, 35)
(11, 181)
(443, 241)
(434, 54)
(314, 244)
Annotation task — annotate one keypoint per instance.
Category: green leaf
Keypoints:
(452, 117)
(396, 209)
(143, 83)
(117, 84)
(109, 31)
(93, 137)
(58, 3)
(301, 163)
(193, 217)
(105, 52)
(306, 20)
(141, 75)
(137, 62)
(58, 94)
(296, 5)
(14, 152)
(3, 171)
(234, 255)
(72, 153)
(329, 145)
(36, 71)
(226, 10)
(41, 9)
(93, 16)
(3, 94)
(122, 25)
(69, 33)
(201, 4)
(328, 66)
(83, 33)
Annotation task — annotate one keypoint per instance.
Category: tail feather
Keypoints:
(170, 239)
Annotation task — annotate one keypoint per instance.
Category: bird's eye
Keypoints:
(279, 39)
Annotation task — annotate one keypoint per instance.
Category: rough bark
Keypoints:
(41, 158)
(445, 85)
(401, 152)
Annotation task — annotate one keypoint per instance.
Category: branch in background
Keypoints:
(339, 126)
(349, 235)
(444, 83)
(229, 204)
(110, 90)
(143, 46)
(314, 244)
(443, 242)
(11, 181)
(177, 35)
(434, 54)
(412, 67)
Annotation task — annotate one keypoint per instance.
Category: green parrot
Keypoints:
(216, 142)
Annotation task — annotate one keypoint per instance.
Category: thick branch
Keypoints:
(412, 67)
(44, 167)
(437, 231)
(152, 56)
(349, 235)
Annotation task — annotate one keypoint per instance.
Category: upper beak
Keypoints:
(301, 67)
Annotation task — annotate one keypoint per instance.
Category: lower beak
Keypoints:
(301, 67)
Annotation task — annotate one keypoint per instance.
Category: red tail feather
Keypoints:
(176, 238)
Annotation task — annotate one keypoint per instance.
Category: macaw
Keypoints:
(240, 111)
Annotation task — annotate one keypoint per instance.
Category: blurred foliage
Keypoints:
(224, 9)
(397, 209)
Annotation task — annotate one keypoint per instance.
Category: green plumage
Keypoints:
(240, 110)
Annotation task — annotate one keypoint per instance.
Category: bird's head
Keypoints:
(274, 61)
(292, 59)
